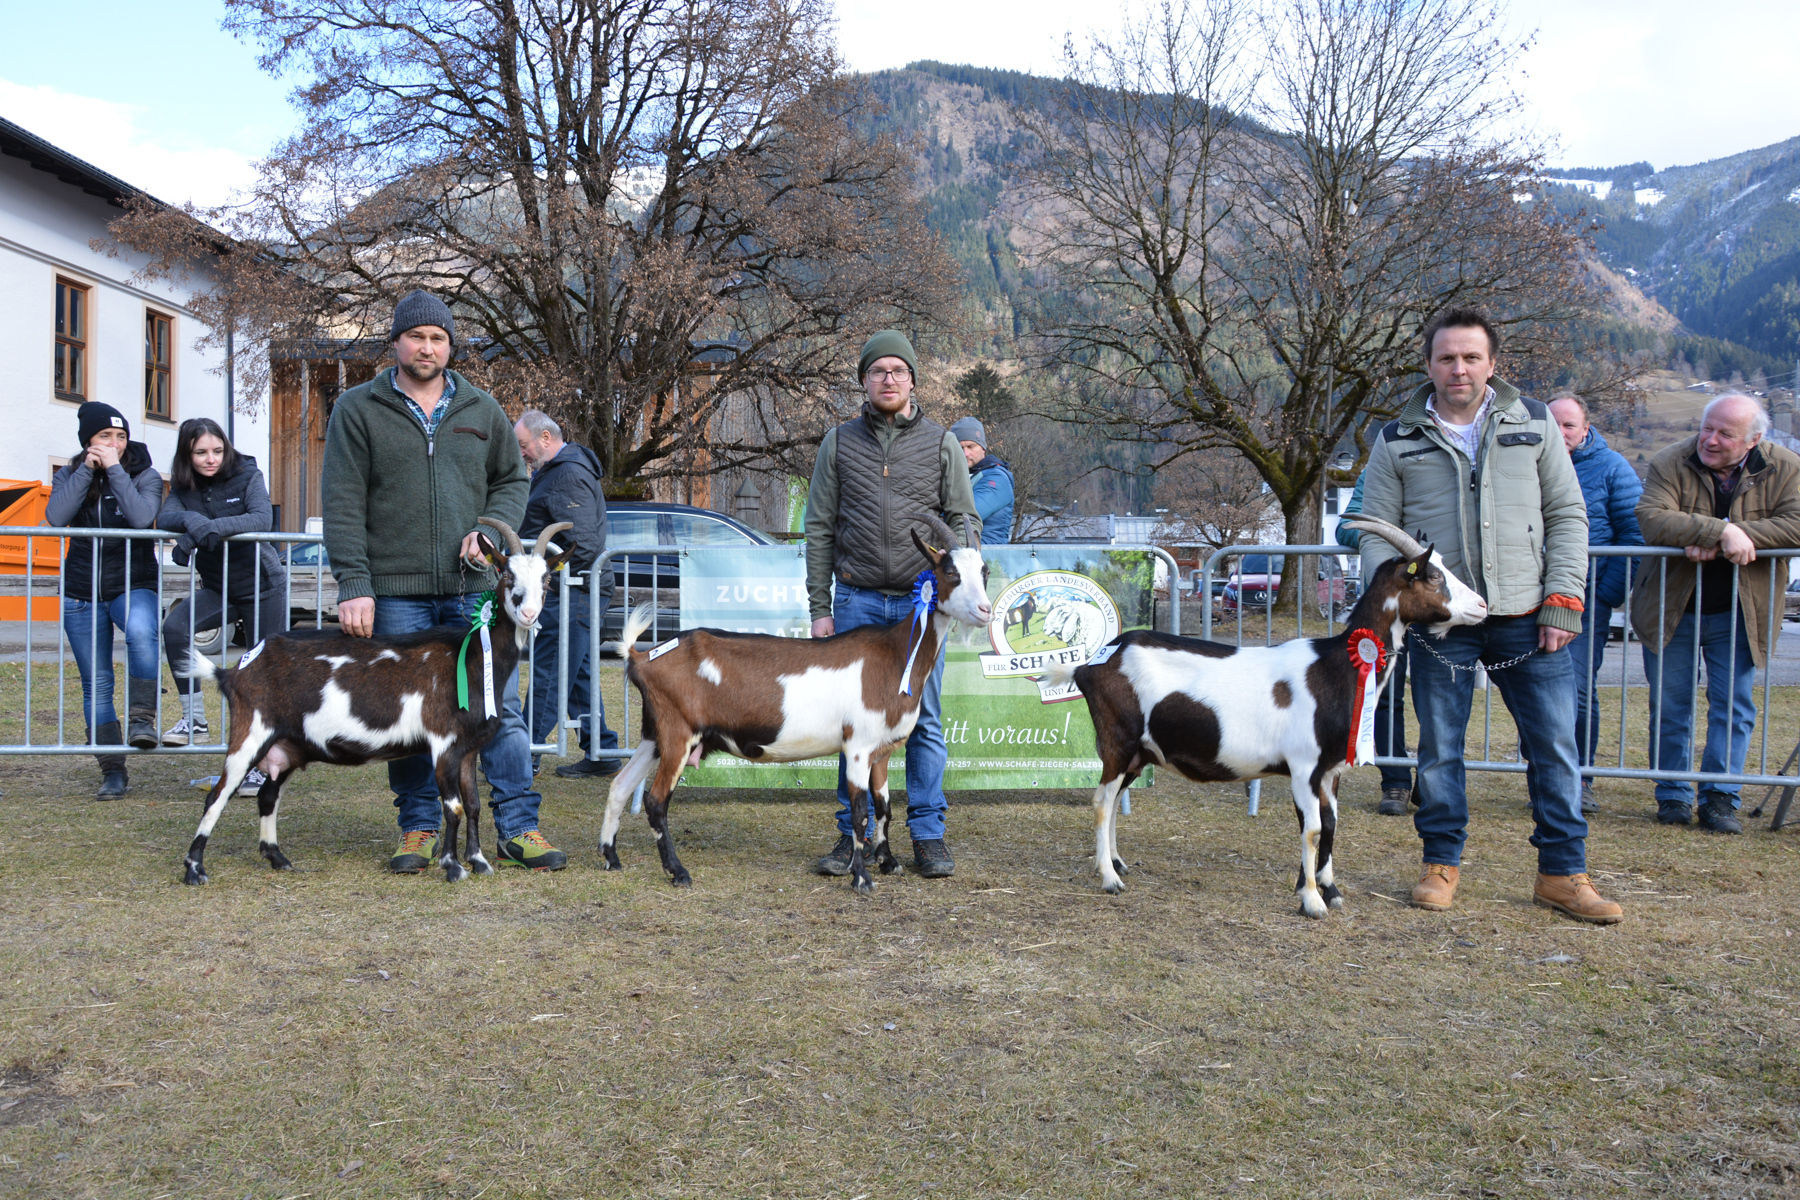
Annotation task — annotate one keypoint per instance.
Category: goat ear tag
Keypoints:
(663, 649)
(1412, 568)
(249, 655)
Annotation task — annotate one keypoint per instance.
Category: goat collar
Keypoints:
(482, 618)
(1369, 655)
(924, 602)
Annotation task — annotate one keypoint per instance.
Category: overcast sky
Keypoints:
(167, 102)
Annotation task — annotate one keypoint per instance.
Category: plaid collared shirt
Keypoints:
(1467, 437)
(428, 420)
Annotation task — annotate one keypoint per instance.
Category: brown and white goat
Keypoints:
(775, 699)
(1215, 712)
(309, 697)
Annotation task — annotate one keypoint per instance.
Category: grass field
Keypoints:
(1011, 1032)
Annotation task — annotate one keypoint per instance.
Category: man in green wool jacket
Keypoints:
(412, 459)
(1482, 474)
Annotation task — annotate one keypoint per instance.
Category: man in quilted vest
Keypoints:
(871, 476)
(1482, 474)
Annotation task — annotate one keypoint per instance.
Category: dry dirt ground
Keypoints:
(338, 1031)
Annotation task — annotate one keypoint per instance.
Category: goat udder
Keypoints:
(275, 761)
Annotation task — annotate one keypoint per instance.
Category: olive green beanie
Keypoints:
(889, 343)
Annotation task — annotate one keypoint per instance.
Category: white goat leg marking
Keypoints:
(709, 671)
(237, 765)
(1311, 902)
(1106, 798)
(637, 769)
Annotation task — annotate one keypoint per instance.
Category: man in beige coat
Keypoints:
(1722, 495)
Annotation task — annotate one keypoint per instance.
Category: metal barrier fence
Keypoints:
(309, 592)
(1620, 685)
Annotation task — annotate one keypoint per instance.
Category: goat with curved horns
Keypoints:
(776, 699)
(303, 697)
(1216, 712)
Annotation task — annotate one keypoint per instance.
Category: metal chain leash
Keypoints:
(1490, 668)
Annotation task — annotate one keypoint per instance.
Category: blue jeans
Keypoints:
(1595, 624)
(1539, 692)
(851, 608)
(1730, 704)
(89, 627)
(581, 672)
(507, 760)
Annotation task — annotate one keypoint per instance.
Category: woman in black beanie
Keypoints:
(110, 583)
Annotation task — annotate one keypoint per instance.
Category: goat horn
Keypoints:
(543, 539)
(938, 530)
(1393, 535)
(513, 544)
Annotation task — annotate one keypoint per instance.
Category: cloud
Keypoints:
(121, 139)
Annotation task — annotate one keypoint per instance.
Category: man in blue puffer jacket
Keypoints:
(1611, 489)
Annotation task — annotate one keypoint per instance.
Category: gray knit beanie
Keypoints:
(969, 430)
(889, 343)
(418, 308)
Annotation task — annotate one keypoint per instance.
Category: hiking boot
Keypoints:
(531, 849)
(253, 781)
(838, 861)
(186, 732)
(417, 848)
(1674, 812)
(589, 768)
(1589, 805)
(142, 733)
(931, 858)
(1436, 889)
(1394, 801)
(1717, 816)
(114, 782)
(1575, 896)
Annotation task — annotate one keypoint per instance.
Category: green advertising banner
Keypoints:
(1004, 725)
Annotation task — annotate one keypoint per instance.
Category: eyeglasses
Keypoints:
(898, 375)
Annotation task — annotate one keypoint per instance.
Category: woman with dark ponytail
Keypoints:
(215, 492)
(110, 583)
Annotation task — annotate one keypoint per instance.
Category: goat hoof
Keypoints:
(453, 872)
(610, 857)
(682, 879)
(195, 876)
(1119, 866)
(481, 866)
(1114, 886)
(1313, 907)
(863, 886)
(889, 865)
(1333, 897)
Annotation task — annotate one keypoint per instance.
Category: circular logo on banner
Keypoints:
(1048, 618)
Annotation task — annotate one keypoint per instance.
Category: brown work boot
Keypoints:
(1436, 888)
(1575, 896)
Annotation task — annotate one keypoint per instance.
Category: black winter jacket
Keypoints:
(569, 488)
(126, 498)
(223, 507)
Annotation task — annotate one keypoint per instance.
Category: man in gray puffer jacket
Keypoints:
(1482, 474)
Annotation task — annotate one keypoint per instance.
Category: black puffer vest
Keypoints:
(879, 490)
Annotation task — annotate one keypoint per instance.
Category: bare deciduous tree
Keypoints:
(637, 207)
(1256, 253)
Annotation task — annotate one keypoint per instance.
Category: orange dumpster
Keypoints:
(22, 503)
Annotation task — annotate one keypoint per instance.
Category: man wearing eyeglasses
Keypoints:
(871, 476)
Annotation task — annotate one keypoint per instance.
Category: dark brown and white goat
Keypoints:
(1215, 712)
(775, 699)
(304, 697)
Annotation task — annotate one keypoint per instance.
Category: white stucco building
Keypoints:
(77, 327)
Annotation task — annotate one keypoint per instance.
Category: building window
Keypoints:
(70, 372)
(158, 337)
